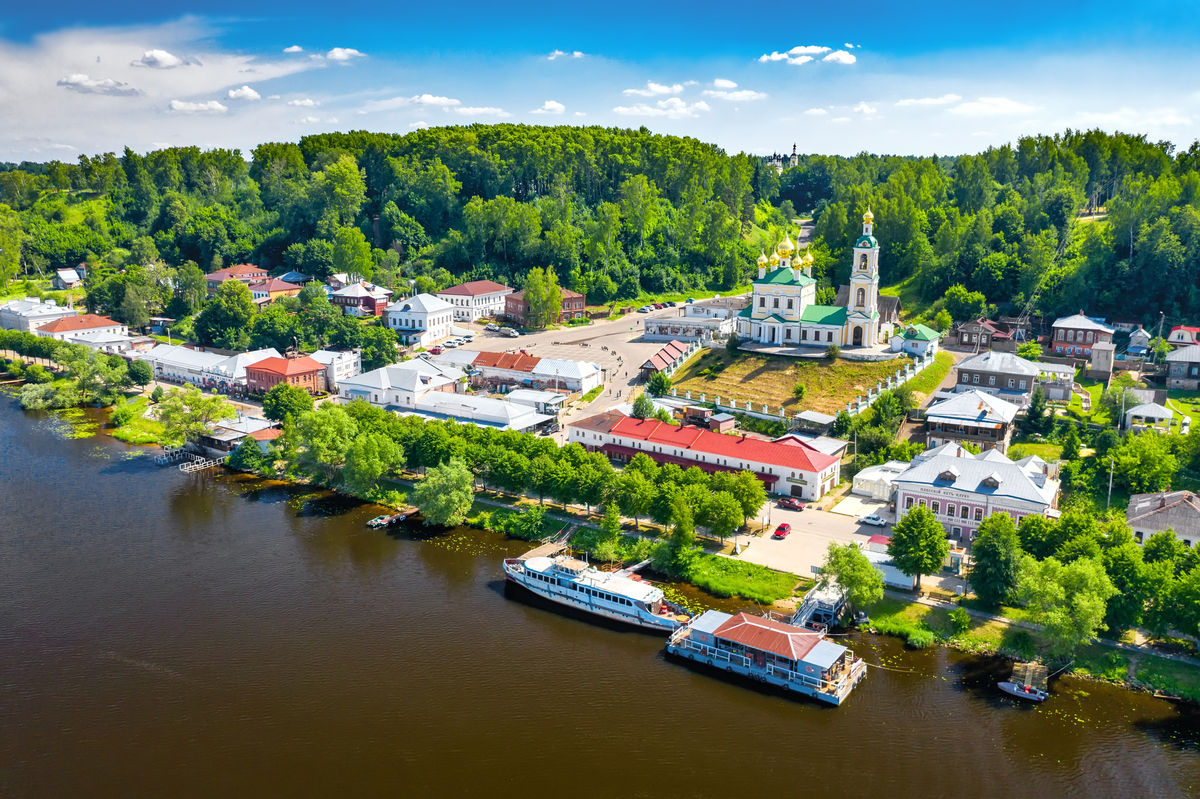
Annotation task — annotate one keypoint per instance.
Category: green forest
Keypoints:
(1107, 223)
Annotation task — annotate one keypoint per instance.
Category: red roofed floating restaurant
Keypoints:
(795, 468)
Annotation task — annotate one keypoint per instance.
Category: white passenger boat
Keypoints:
(571, 582)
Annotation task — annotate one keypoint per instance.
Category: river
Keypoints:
(164, 634)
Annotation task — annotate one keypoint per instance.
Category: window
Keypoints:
(921, 502)
(776, 303)
(991, 380)
(1011, 382)
(861, 297)
(762, 302)
(979, 514)
(966, 512)
(908, 502)
(965, 377)
(862, 261)
(950, 509)
(1022, 385)
(789, 304)
(975, 379)
(936, 507)
(957, 531)
(804, 335)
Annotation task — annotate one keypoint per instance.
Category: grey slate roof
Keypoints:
(973, 406)
(941, 467)
(1188, 354)
(1177, 510)
(1081, 322)
(1000, 363)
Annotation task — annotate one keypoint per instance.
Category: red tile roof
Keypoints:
(506, 360)
(697, 439)
(475, 288)
(768, 635)
(266, 434)
(235, 272)
(274, 285)
(666, 356)
(287, 366)
(70, 324)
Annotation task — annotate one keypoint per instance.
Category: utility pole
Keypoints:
(1108, 502)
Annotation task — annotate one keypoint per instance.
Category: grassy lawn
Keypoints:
(1094, 388)
(1185, 403)
(927, 381)
(770, 379)
(681, 296)
(1169, 676)
(1046, 451)
(910, 299)
(139, 429)
(725, 577)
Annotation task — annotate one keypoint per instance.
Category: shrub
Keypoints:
(798, 391)
(156, 395)
(122, 414)
(960, 620)
(832, 352)
(920, 639)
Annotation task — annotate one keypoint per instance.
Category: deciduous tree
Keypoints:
(846, 565)
(918, 544)
(995, 559)
(445, 493)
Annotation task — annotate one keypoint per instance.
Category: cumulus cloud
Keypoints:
(654, 89)
(991, 107)
(83, 84)
(482, 110)
(185, 107)
(244, 93)
(418, 125)
(798, 55)
(739, 96)
(671, 108)
(309, 120)
(344, 54)
(816, 112)
(550, 107)
(840, 57)
(1126, 117)
(295, 48)
(158, 59)
(945, 99)
(863, 108)
(435, 99)
(580, 113)
(557, 54)
(722, 83)
(392, 103)
(303, 102)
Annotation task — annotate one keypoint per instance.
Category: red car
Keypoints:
(435, 350)
(782, 531)
(791, 503)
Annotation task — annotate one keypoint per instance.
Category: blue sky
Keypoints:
(833, 78)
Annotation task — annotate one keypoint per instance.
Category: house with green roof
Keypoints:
(917, 340)
(783, 309)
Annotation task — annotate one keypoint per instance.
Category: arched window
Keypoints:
(862, 261)
(862, 297)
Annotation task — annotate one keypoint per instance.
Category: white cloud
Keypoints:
(184, 107)
(945, 99)
(580, 113)
(158, 59)
(434, 99)
(303, 102)
(739, 96)
(244, 93)
(482, 110)
(840, 57)
(654, 89)
(863, 108)
(848, 46)
(840, 119)
(991, 107)
(295, 48)
(309, 120)
(83, 84)
(671, 108)
(550, 107)
(816, 112)
(721, 83)
(418, 125)
(557, 54)
(808, 49)
(344, 54)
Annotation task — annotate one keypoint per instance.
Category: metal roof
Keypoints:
(1000, 362)
(1080, 322)
(973, 406)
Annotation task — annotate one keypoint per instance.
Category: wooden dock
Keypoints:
(1030, 673)
(544, 551)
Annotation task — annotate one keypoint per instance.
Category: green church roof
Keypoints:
(866, 241)
(783, 276)
(746, 312)
(824, 315)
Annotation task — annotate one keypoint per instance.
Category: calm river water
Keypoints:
(163, 634)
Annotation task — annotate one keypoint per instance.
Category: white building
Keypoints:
(502, 370)
(29, 314)
(876, 481)
(423, 319)
(480, 410)
(917, 340)
(400, 385)
(547, 402)
(1177, 511)
(81, 326)
(178, 364)
(962, 489)
(339, 365)
(475, 299)
(795, 469)
(230, 373)
(696, 321)
(783, 309)
(1149, 416)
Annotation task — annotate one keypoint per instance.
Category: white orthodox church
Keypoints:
(783, 309)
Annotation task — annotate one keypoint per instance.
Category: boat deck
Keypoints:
(544, 551)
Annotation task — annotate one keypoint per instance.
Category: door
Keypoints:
(858, 334)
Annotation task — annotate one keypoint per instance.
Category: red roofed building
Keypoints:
(767, 635)
(88, 324)
(669, 358)
(304, 372)
(271, 289)
(242, 272)
(475, 299)
(799, 471)
(1183, 336)
(515, 307)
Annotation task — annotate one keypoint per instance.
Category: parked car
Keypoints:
(672, 304)
(550, 429)
(449, 344)
(690, 300)
(875, 520)
(644, 309)
(782, 531)
(467, 338)
(491, 327)
(791, 503)
(436, 350)
(658, 306)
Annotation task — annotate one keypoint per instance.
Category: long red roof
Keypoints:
(475, 288)
(515, 361)
(86, 321)
(698, 439)
(768, 635)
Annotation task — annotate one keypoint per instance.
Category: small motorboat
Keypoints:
(1023, 691)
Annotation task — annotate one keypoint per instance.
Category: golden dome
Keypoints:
(868, 216)
(762, 258)
(786, 247)
(808, 259)
(774, 259)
